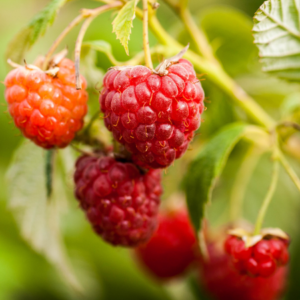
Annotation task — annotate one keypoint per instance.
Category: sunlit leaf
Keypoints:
(277, 35)
(35, 29)
(123, 22)
(37, 217)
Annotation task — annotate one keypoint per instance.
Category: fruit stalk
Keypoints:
(268, 198)
(148, 60)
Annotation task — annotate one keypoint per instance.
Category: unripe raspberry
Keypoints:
(261, 259)
(223, 282)
(48, 110)
(154, 116)
(172, 248)
(119, 201)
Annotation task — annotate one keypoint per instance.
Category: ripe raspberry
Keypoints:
(154, 116)
(119, 201)
(172, 248)
(48, 110)
(262, 259)
(223, 282)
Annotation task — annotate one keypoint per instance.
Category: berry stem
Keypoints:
(215, 73)
(290, 171)
(49, 165)
(148, 60)
(241, 181)
(56, 43)
(270, 193)
(203, 46)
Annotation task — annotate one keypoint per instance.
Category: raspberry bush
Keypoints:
(115, 135)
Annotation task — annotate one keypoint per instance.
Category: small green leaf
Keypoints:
(102, 46)
(123, 22)
(206, 168)
(39, 219)
(35, 29)
(277, 35)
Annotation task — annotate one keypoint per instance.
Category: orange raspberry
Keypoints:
(48, 110)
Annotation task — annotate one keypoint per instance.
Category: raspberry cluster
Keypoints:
(154, 116)
(119, 201)
(260, 260)
(48, 110)
(223, 282)
(172, 248)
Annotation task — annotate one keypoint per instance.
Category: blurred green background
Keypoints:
(111, 273)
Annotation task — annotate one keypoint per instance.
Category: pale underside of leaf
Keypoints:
(123, 22)
(277, 35)
(205, 170)
(38, 217)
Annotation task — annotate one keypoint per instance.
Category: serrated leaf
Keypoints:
(123, 22)
(35, 29)
(206, 168)
(37, 218)
(277, 35)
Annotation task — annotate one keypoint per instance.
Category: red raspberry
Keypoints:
(154, 116)
(171, 250)
(119, 201)
(223, 282)
(48, 110)
(262, 259)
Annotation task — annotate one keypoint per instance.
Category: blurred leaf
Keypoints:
(277, 35)
(89, 69)
(39, 219)
(102, 46)
(123, 22)
(207, 167)
(290, 104)
(35, 29)
(229, 32)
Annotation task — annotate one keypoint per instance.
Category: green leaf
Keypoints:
(277, 35)
(102, 46)
(35, 29)
(206, 168)
(123, 22)
(229, 32)
(39, 219)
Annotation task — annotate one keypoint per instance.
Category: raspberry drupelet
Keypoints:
(120, 202)
(172, 248)
(48, 110)
(259, 260)
(223, 282)
(154, 116)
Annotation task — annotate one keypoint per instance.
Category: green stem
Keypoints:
(290, 171)
(148, 60)
(49, 165)
(268, 198)
(241, 181)
(215, 74)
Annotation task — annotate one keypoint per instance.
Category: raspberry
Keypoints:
(262, 259)
(154, 116)
(171, 250)
(223, 282)
(119, 201)
(48, 110)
